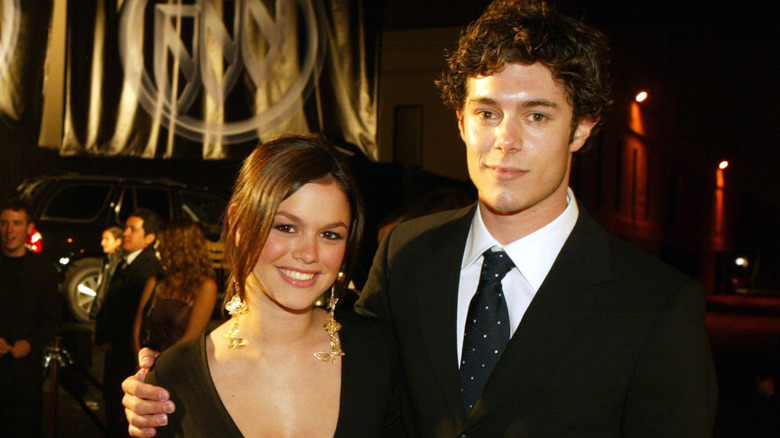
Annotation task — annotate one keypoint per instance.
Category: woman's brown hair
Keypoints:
(184, 256)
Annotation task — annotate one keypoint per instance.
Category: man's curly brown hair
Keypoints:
(526, 32)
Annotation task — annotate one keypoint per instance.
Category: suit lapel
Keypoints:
(560, 308)
(438, 305)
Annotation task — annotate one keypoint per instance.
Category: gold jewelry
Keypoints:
(331, 326)
(235, 308)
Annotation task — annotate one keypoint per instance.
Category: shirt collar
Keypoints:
(533, 254)
(133, 255)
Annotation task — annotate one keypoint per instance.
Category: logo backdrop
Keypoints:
(198, 78)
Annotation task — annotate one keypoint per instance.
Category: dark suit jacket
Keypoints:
(29, 304)
(114, 321)
(613, 344)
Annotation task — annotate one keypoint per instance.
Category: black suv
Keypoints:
(73, 210)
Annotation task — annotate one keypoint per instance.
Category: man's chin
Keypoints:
(502, 206)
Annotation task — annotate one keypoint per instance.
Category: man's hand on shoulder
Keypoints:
(146, 405)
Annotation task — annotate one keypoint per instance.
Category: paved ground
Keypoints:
(745, 336)
(743, 330)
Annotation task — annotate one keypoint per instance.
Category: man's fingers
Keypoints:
(130, 384)
(146, 421)
(146, 357)
(147, 407)
(134, 386)
(134, 431)
(139, 431)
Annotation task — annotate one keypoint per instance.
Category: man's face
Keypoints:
(134, 236)
(516, 125)
(15, 227)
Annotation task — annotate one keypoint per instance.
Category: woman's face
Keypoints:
(109, 242)
(305, 248)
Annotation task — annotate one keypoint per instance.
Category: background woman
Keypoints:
(111, 242)
(177, 306)
(281, 366)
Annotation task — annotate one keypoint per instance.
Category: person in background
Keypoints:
(389, 222)
(433, 201)
(114, 322)
(29, 319)
(176, 306)
(111, 242)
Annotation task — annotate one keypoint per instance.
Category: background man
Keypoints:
(114, 321)
(29, 319)
(588, 335)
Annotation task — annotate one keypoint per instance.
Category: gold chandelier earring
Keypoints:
(332, 327)
(235, 308)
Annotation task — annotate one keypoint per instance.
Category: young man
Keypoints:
(605, 339)
(29, 319)
(114, 321)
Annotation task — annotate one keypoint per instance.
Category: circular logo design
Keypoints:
(9, 32)
(259, 46)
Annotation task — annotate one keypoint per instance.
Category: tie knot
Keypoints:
(495, 265)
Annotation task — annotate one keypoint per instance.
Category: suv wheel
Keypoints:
(81, 285)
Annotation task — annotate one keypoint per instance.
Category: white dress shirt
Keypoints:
(533, 256)
(133, 255)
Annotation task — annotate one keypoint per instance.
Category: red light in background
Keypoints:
(34, 241)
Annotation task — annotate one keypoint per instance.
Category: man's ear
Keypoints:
(459, 113)
(30, 227)
(582, 133)
(150, 238)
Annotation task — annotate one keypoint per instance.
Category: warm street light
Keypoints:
(641, 96)
(719, 209)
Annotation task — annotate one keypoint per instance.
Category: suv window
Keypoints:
(206, 210)
(157, 200)
(77, 202)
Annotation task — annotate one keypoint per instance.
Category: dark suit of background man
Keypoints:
(29, 319)
(114, 322)
(607, 340)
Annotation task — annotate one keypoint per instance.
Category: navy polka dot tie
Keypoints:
(487, 328)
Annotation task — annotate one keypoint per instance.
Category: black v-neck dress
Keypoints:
(369, 386)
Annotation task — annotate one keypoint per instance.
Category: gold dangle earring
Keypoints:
(235, 308)
(332, 326)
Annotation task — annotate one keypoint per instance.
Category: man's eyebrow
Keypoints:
(533, 103)
(539, 103)
(483, 100)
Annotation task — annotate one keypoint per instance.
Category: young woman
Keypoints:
(281, 366)
(111, 242)
(177, 306)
